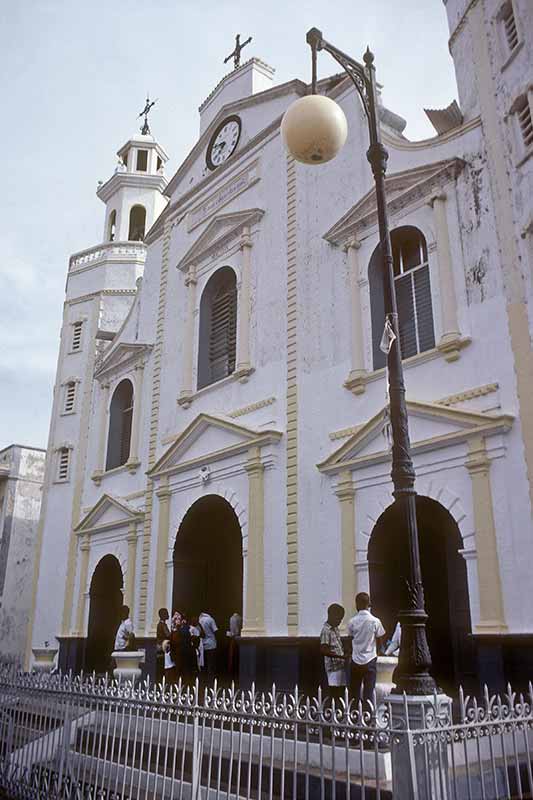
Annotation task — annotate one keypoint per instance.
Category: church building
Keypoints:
(220, 438)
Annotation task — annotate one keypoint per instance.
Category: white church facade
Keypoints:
(219, 437)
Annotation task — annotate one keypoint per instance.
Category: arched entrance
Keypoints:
(445, 585)
(104, 613)
(208, 561)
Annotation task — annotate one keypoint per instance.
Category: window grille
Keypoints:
(120, 425)
(70, 396)
(76, 335)
(218, 328)
(63, 464)
(526, 123)
(509, 26)
(413, 295)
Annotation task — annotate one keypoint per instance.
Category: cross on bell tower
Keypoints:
(236, 55)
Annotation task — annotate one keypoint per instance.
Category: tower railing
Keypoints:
(108, 251)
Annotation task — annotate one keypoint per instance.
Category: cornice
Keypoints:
(139, 180)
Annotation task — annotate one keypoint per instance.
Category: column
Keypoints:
(160, 582)
(491, 613)
(357, 378)
(129, 589)
(84, 569)
(188, 340)
(243, 367)
(345, 491)
(104, 416)
(133, 460)
(450, 342)
(254, 606)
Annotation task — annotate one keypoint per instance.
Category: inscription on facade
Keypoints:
(223, 196)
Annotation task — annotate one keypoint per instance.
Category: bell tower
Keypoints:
(133, 196)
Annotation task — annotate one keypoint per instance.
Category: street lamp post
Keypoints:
(314, 129)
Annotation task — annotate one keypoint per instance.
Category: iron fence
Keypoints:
(75, 737)
(64, 737)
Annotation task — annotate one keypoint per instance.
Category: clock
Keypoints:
(223, 142)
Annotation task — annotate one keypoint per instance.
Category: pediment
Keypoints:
(209, 438)
(219, 232)
(402, 188)
(108, 512)
(431, 427)
(121, 357)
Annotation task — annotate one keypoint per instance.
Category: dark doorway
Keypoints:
(104, 613)
(208, 561)
(445, 584)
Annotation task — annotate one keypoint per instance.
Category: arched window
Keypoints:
(218, 328)
(137, 224)
(112, 226)
(120, 418)
(413, 294)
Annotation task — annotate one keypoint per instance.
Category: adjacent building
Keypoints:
(219, 437)
(21, 481)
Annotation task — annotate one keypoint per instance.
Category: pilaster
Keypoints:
(129, 589)
(160, 582)
(188, 340)
(254, 614)
(450, 343)
(356, 380)
(133, 460)
(345, 491)
(491, 610)
(243, 367)
(84, 549)
(104, 418)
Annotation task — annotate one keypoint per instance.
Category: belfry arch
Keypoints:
(445, 582)
(208, 561)
(106, 600)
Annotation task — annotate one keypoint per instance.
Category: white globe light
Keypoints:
(314, 129)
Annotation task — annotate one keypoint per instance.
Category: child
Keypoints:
(170, 667)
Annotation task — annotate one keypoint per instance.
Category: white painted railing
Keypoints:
(108, 251)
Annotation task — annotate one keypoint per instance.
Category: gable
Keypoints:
(209, 438)
(430, 427)
(219, 233)
(402, 188)
(108, 512)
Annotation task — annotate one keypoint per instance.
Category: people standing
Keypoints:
(210, 643)
(197, 641)
(332, 649)
(162, 635)
(170, 667)
(125, 636)
(234, 633)
(366, 630)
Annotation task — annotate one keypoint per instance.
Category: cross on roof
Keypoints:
(236, 55)
(145, 130)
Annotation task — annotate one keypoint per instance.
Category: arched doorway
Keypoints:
(208, 561)
(104, 613)
(445, 585)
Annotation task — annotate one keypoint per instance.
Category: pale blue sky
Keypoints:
(75, 75)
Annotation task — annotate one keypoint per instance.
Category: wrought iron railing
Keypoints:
(81, 738)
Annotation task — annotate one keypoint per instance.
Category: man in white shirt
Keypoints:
(365, 630)
(125, 638)
(209, 628)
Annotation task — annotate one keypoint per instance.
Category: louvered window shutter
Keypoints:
(223, 333)
(406, 317)
(125, 439)
(424, 309)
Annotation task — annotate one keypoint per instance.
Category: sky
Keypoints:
(74, 77)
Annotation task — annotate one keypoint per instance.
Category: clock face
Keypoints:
(223, 142)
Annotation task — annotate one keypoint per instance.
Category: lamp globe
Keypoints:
(314, 129)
